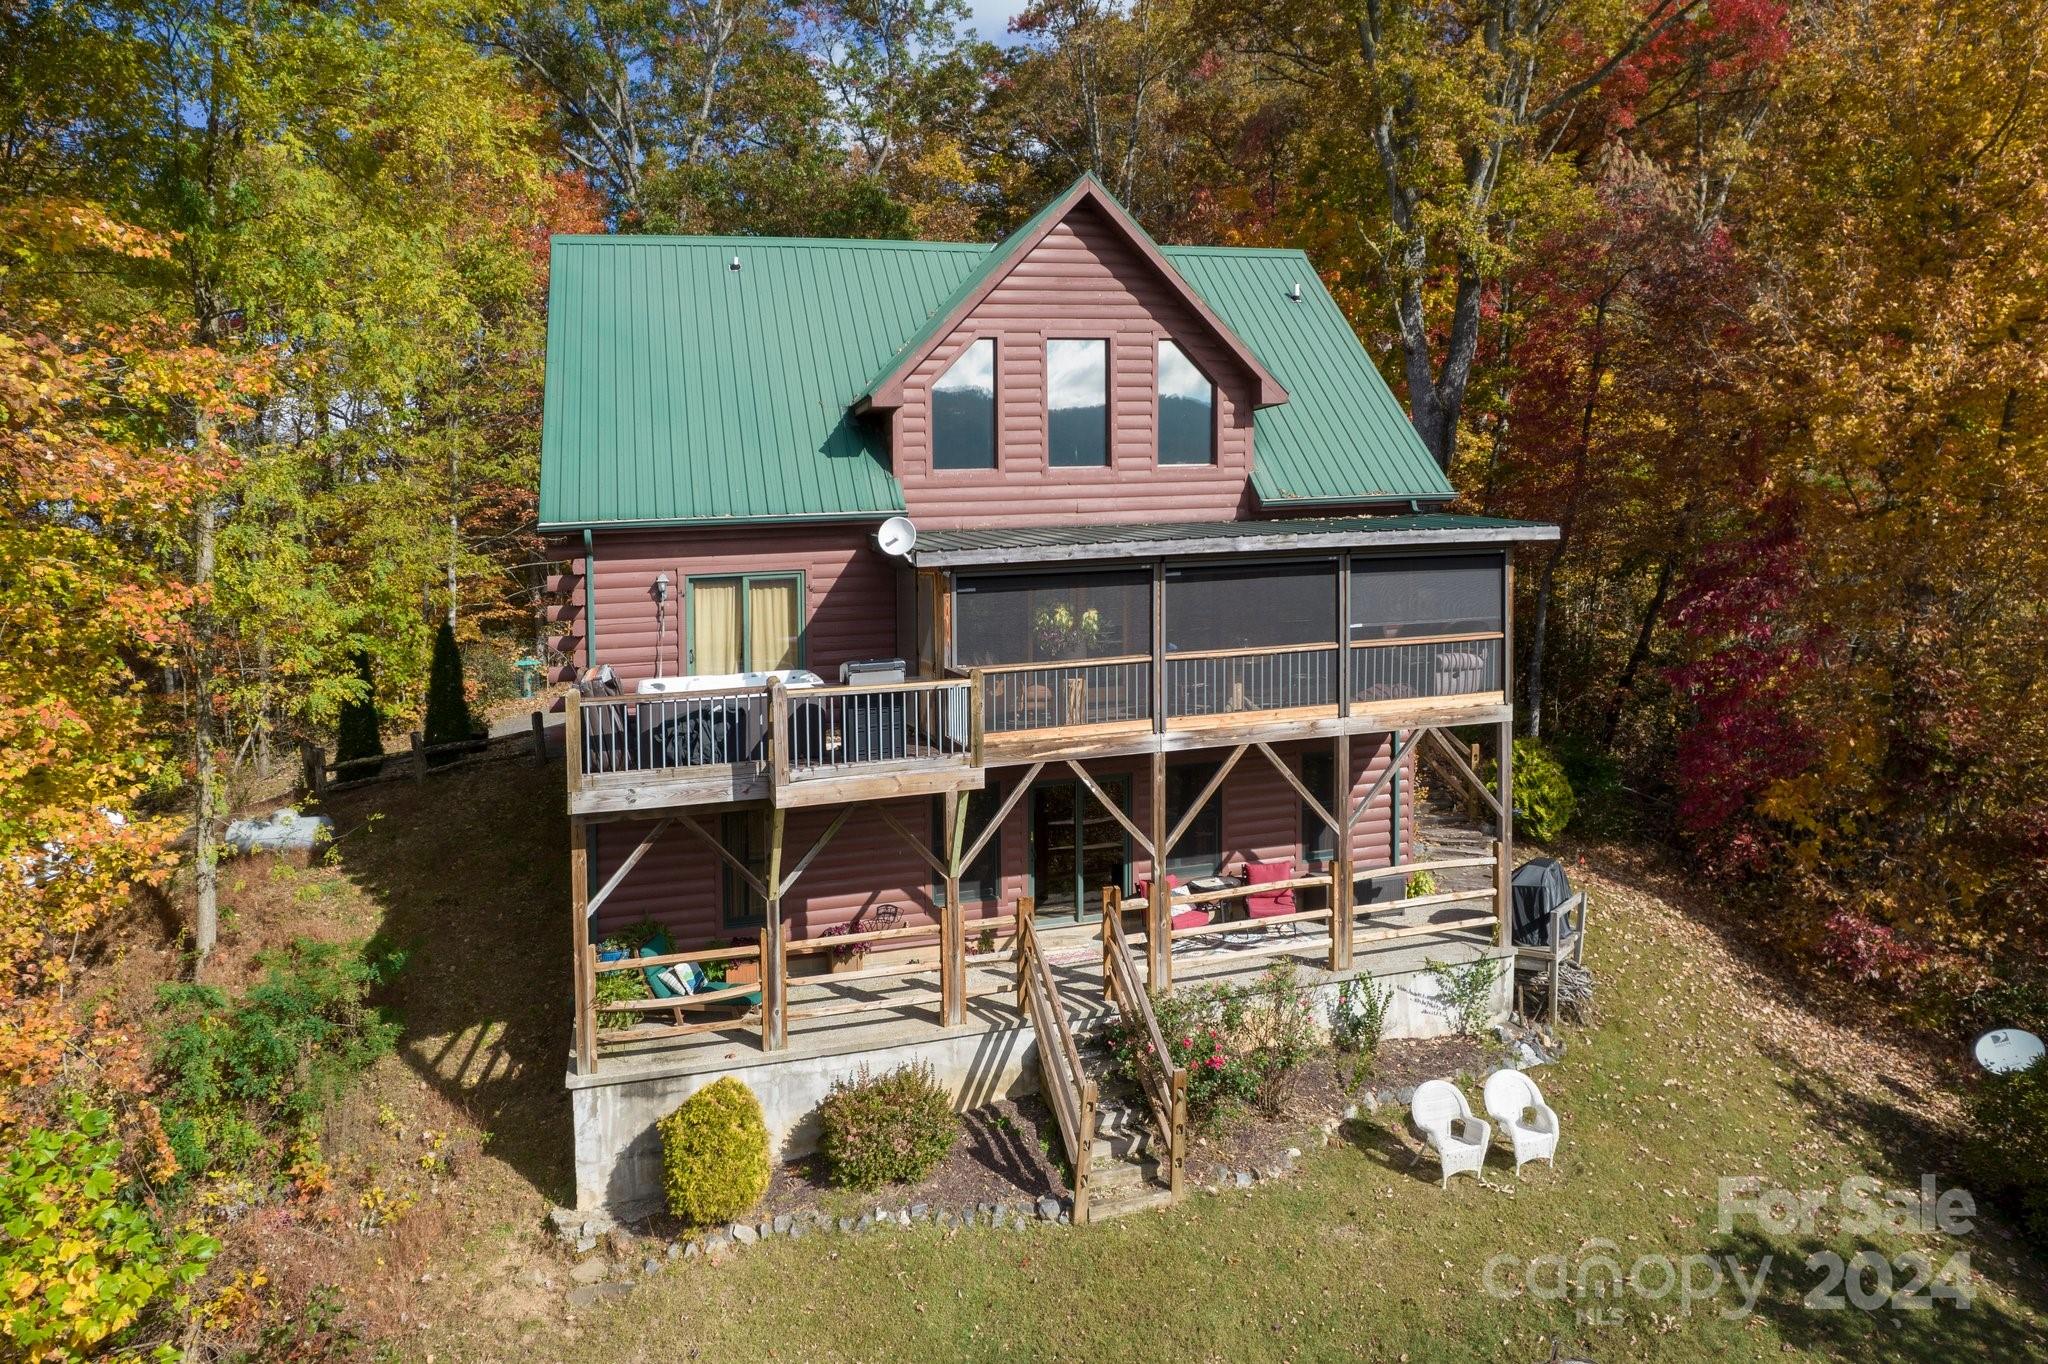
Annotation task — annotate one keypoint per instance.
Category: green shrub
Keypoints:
(615, 986)
(360, 733)
(234, 1076)
(1467, 991)
(448, 717)
(1420, 883)
(714, 1154)
(2008, 1148)
(888, 1129)
(1544, 802)
(1239, 1043)
(79, 1261)
(1360, 1019)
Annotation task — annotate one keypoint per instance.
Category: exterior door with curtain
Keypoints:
(746, 623)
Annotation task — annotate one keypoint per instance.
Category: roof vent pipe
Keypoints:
(735, 262)
(1293, 294)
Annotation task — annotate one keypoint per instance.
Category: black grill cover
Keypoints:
(1539, 887)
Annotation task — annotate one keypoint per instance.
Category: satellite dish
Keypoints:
(2007, 1051)
(897, 537)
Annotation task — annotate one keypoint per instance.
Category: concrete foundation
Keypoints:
(992, 1055)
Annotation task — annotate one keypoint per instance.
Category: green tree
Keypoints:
(448, 717)
(360, 731)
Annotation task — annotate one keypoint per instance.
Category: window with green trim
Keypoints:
(743, 623)
(1319, 775)
(1200, 850)
(981, 881)
(745, 835)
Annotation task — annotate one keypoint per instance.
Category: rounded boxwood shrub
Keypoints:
(1544, 802)
(714, 1154)
(893, 1128)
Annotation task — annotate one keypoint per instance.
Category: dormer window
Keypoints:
(1077, 403)
(964, 410)
(1187, 409)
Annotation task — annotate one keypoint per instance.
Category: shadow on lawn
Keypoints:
(1383, 1141)
(1812, 1312)
(471, 871)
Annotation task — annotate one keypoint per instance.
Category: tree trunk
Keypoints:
(205, 762)
(1625, 685)
(1581, 458)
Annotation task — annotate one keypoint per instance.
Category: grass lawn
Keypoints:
(1701, 1068)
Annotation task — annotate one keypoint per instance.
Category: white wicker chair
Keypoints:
(1513, 1101)
(1440, 1113)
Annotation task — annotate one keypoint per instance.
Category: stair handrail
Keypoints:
(1164, 1085)
(1066, 1084)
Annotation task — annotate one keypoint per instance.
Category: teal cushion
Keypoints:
(658, 946)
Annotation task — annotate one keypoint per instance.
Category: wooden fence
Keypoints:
(320, 775)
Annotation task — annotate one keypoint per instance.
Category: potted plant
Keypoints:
(1061, 632)
(848, 956)
(737, 971)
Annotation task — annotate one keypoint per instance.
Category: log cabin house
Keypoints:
(926, 597)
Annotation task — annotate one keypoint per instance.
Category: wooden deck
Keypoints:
(635, 756)
(832, 1016)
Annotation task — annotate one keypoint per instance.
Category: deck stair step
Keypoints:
(1118, 1204)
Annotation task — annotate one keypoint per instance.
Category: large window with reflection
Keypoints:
(1416, 597)
(1187, 409)
(964, 410)
(1077, 403)
(1051, 617)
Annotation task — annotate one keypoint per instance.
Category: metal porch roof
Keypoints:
(1049, 544)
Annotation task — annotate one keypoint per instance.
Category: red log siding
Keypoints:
(850, 591)
(678, 883)
(1082, 280)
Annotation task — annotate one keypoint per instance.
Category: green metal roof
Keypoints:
(1340, 436)
(681, 391)
(1040, 544)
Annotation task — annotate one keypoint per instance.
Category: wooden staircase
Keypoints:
(1129, 1165)
(1126, 1142)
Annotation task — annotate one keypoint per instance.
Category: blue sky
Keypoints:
(991, 18)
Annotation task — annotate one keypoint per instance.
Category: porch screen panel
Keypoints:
(1051, 617)
(1409, 598)
(774, 620)
(715, 643)
(1254, 606)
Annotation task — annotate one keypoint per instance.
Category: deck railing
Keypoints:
(1025, 696)
(837, 731)
(802, 734)
(1225, 681)
(1441, 665)
(1164, 1085)
(656, 733)
(1062, 1079)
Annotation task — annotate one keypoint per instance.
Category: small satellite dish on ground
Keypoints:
(2007, 1051)
(897, 537)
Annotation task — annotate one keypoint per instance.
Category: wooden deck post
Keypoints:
(572, 740)
(953, 920)
(1342, 887)
(540, 739)
(313, 762)
(1112, 904)
(1159, 904)
(1504, 847)
(419, 757)
(775, 985)
(580, 961)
